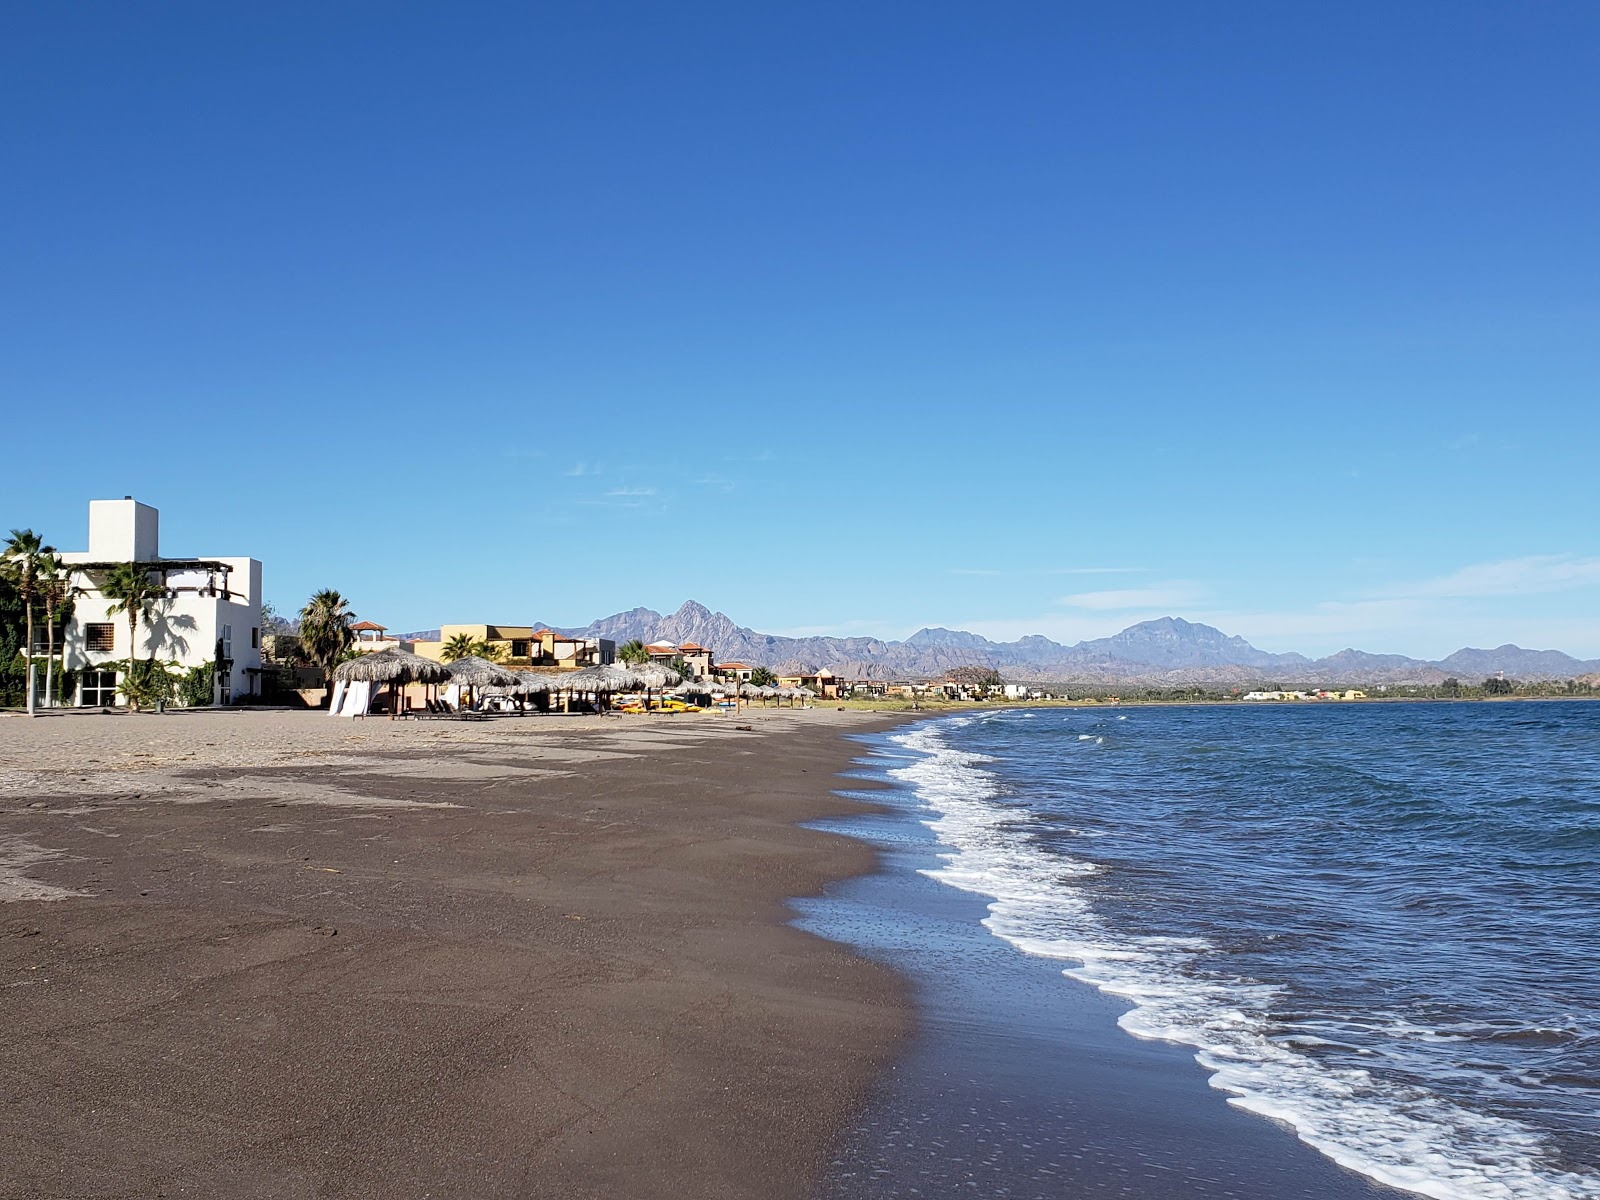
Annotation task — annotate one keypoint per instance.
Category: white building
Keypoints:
(211, 611)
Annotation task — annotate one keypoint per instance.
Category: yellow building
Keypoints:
(523, 646)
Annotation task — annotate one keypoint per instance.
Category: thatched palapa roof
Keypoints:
(654, 675)
(705, 687)
(528, 684)
(473, 671)
(391, 666)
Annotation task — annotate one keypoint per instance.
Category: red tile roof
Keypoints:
(370, 625)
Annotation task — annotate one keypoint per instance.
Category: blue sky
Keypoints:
(839, 318)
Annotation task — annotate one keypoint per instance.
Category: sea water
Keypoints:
(1378, 924)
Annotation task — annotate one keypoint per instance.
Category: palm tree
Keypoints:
(58, 593)
(325, 631)
(25, 559)
(132, 590)
(633, 652)
(462, 645)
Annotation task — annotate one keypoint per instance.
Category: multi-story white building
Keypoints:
(211, 611)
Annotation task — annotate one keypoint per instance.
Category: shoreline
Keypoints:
(1018, 1079)
(291, 956)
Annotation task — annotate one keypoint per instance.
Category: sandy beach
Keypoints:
(273, 954)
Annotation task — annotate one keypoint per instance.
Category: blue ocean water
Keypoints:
(1376, 923)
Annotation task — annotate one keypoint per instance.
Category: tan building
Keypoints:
(738, 672)
(695, 657)
(823, 683)
(522, 646)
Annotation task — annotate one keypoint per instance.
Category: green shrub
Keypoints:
(197, 688)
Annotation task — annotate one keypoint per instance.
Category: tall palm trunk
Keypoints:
(133, 653)
(28, 603)
(49, 656)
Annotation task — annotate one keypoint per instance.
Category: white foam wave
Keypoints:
(1397, 1134)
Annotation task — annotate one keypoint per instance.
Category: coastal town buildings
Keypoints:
(522, 646)
(696, 658)
(823, 683)
(372, 637)
(208, 611)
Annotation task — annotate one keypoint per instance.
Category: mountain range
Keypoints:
(1167, 651)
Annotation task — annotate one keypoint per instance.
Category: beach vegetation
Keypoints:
(134, 592)
(464, 645)
(763, 677)
(26, 561)
(325, 632)
(145, 682)
(57, 594)
(633, 653)
(13, 634)
(197, 687)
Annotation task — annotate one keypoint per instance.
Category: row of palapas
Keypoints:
(397, 667)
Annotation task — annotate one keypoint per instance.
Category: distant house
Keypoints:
(209, 611)
(522, 646)
(697, 658)
(866, 688)
(569, 652)
(823, 683)
(370, 637)
(737, 672)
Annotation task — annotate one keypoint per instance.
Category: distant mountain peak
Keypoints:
(1164, 650)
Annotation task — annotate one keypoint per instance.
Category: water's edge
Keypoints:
(1019, 1081)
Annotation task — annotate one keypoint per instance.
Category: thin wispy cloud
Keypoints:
(1175, 594)
(580, 469)
(1035, 572)
(1532, 575)
(632, 491)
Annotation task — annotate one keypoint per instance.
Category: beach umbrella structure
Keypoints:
(654, 675)
(475, 673)
(595, 681)
(394, 668)
(702, 687)
(528, 684)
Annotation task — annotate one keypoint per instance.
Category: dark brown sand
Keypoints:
(577, 983)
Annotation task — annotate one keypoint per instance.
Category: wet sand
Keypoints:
(1017, 1081)
(272, 954)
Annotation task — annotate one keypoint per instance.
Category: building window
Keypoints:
(255, 637)
(225, 684)
(519, 648)
(100, 637)
(225, 643)
(41, 637)
(99, 687)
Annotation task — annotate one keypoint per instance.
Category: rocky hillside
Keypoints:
(1165, 651)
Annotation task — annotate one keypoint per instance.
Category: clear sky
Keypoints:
(847, 318)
